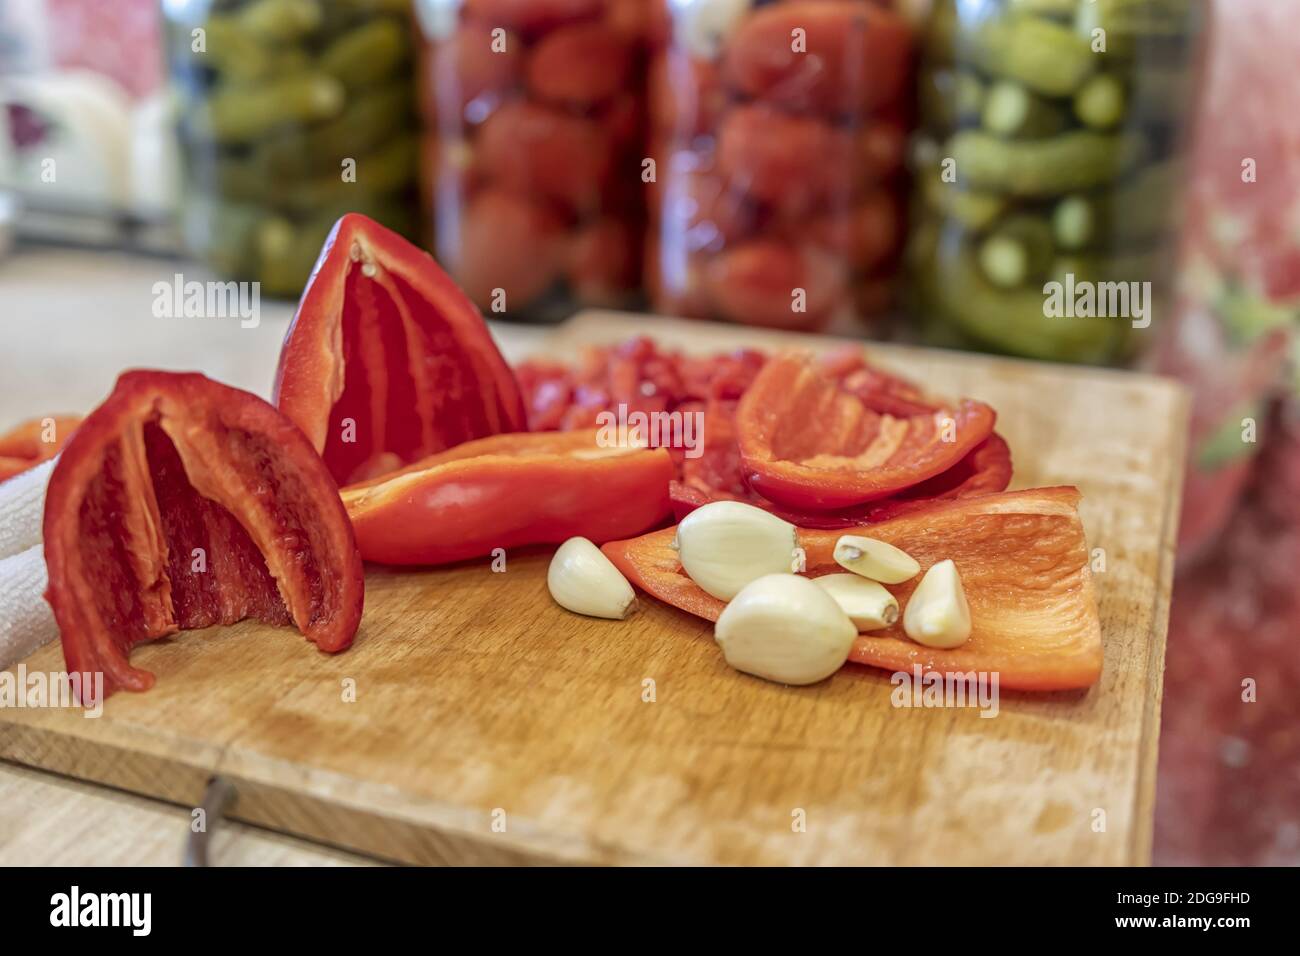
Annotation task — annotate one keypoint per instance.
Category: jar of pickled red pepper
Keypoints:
(778, 133)
(532, 149)
(1049, 172)
(291, 113)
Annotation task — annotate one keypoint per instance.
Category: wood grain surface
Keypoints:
(490, 726)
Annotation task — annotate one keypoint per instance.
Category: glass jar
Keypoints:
(291, 113)
(779, 134)
(1049, 171)
(532, 149)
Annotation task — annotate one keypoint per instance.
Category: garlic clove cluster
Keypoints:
(877, 560)
(867, 603)
(937, 614)
(725, 545)
(785, 628)
(583, 580)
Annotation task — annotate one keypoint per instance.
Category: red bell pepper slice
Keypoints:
(1023, 561)
(33, 442)
(507, 491)
(384, 340)
(181, 503)
(807, 442)
(716, 476)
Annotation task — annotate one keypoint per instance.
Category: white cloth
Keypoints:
(25, 619)
(22, 508)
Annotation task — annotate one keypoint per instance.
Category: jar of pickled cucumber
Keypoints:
(779, 133)
(290, 114)
(533, 117)
(1049, 172)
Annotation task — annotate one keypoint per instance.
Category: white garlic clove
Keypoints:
(937, 614)
(583, 580)
(875, 559)
(866, 602)
(785, 628)
(726, 544)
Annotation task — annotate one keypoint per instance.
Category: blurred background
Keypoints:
(920, 177)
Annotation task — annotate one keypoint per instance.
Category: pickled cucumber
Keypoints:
(1045, 56)
(1100, 103)
(1079, 159)
(364, 124)
(1011, 110)
(1136, 266)
(1056, 9)
(280, 20)
(382, 172)
(974, 210)
(1015, 320)
(239, 114)
(366, 56)
(1136, 18)
(1139, 211)
(1018, 252)
(230, 48)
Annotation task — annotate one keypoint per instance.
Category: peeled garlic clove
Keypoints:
(937, 614)
(874, 559)
(726, 544)
(867, 603)
(583, 580)
(785, 628)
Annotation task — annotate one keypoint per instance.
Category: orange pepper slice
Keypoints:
(25, 446)
(1023, 561)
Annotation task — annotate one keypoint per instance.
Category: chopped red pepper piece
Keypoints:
(181, 503)
(506, 491)
(807, 442)
(1023, 562)
(386, 360)
(33, 442)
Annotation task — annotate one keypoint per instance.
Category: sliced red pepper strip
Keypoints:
(1023, 562)
(808, 443)
(985, 471)
(384, 339)
(506, 491)
(34, 441)
(181, 503)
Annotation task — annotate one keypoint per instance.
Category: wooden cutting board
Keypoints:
(489, 726)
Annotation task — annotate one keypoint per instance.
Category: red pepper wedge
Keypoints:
(180, 503)
(806, 442)
(506, 491)
(34, 441)
(1023, 562)
(384, 340)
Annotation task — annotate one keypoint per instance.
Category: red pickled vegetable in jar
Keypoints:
(778, 133)
(534, 123)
